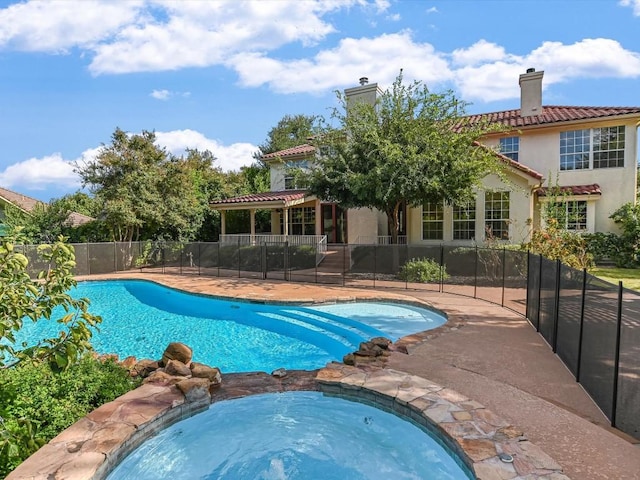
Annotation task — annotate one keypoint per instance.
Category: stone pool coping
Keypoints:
(91, 447)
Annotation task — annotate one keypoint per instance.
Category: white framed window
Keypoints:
(496, 215)
(509, 147)
(571, 214)
(594, 148)
(302, 221)
(464, 221)
(608, 147)
(432, 221)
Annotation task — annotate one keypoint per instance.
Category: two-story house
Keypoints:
(591, 152)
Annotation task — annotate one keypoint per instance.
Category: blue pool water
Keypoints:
(294, 435)
(140, 318)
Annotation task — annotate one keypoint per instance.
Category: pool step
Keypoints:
(365, 331)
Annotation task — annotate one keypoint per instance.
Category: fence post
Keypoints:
(263, 260)
(475, 275)
(239, 270)
(526, 295)
(88, 258)
(163, 258)
(406, 278)
(375, 263)
(441, 286)
(218, 262)
(616, 366)
(539, 293)
(199, 255)
(344, 264)
(504, 262)
(285, 262)
(556, 307)
(115, 257)
(582, 301)
(181, 256)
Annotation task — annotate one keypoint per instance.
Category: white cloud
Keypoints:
(478, 53)
(494, 77)
(379, 58)
(40, 173)
(53, 171)
(228, 157)
(199, 34)
(161, 94)
(432, 10)
(635, 4)
(58, 25)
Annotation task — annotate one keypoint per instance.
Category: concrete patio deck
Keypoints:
(489, 354)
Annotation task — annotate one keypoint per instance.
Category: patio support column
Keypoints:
(223, 222)
(285, 221)
(252, 216)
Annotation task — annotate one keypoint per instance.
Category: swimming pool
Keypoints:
(140, 318)
(293, 435)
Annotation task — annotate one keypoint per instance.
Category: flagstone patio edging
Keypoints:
(93, 446)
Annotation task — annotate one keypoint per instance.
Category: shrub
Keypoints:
(556, 243)
(37, 403)
(422, 270)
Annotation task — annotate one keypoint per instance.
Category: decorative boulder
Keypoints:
(160, 377)
(198, 370)
(381, 342)
(177, 351)
(177, 368)
(195, 389)
(144, 368)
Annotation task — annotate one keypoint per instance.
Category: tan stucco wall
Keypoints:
(540, 150)
(277, 177)
(361, 222)
(520, 212)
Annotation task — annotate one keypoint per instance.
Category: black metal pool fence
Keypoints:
(592, 325)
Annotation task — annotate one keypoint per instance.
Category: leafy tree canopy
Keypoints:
(291, 130)
(412, 146)
(144, 192)
(23, 298)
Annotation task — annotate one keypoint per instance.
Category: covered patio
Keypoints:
(294, 218)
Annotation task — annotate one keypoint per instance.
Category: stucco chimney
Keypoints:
(365, 92)
(531, 93)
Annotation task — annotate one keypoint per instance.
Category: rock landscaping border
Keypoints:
(92, 447)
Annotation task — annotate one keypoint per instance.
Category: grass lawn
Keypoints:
(630, 276)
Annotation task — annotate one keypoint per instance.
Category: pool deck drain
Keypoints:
(485, 352)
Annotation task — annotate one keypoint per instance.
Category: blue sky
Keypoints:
(218, 75)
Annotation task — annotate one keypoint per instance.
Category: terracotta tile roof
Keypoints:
(553, 114)
(74, 219)
(512, 163)
(29, 203)
(283, 196)
(593, 189)
(21, 201)
(304, 149)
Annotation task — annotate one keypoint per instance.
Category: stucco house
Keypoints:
(27, 204)
(590, 152)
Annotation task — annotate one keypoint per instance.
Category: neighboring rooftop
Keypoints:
(27, 204)
(303, 149)
(592, 189)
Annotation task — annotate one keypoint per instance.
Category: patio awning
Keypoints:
(267, 200)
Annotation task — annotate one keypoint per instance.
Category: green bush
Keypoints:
(36, 403)
(422, 270)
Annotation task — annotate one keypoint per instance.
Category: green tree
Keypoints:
(146, 193)
(291, 131)
(23, 298)
(412, 146)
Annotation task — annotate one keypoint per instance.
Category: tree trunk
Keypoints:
(394, 222)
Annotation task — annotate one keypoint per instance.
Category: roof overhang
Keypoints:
(267, 201)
